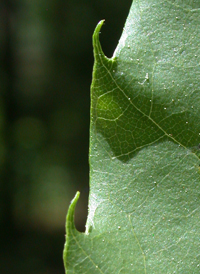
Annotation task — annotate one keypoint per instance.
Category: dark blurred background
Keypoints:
(46, 62)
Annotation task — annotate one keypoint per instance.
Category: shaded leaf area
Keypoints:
(144, 153)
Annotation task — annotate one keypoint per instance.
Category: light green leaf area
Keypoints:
(144, 203)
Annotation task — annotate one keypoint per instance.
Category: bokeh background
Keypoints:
(46, 62)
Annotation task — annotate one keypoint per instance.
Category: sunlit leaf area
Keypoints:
(46, 62)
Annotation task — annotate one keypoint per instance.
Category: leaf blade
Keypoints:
(144, 191)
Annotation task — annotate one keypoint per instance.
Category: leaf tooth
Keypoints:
(98, 52)
(70, 227)
(70, 214)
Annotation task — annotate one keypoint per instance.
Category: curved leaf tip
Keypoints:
(70, 227)
(70, 214)
(96, 44)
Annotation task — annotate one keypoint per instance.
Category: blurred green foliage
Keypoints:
(46, 64)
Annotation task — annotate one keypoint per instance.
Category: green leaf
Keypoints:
(144, 203)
